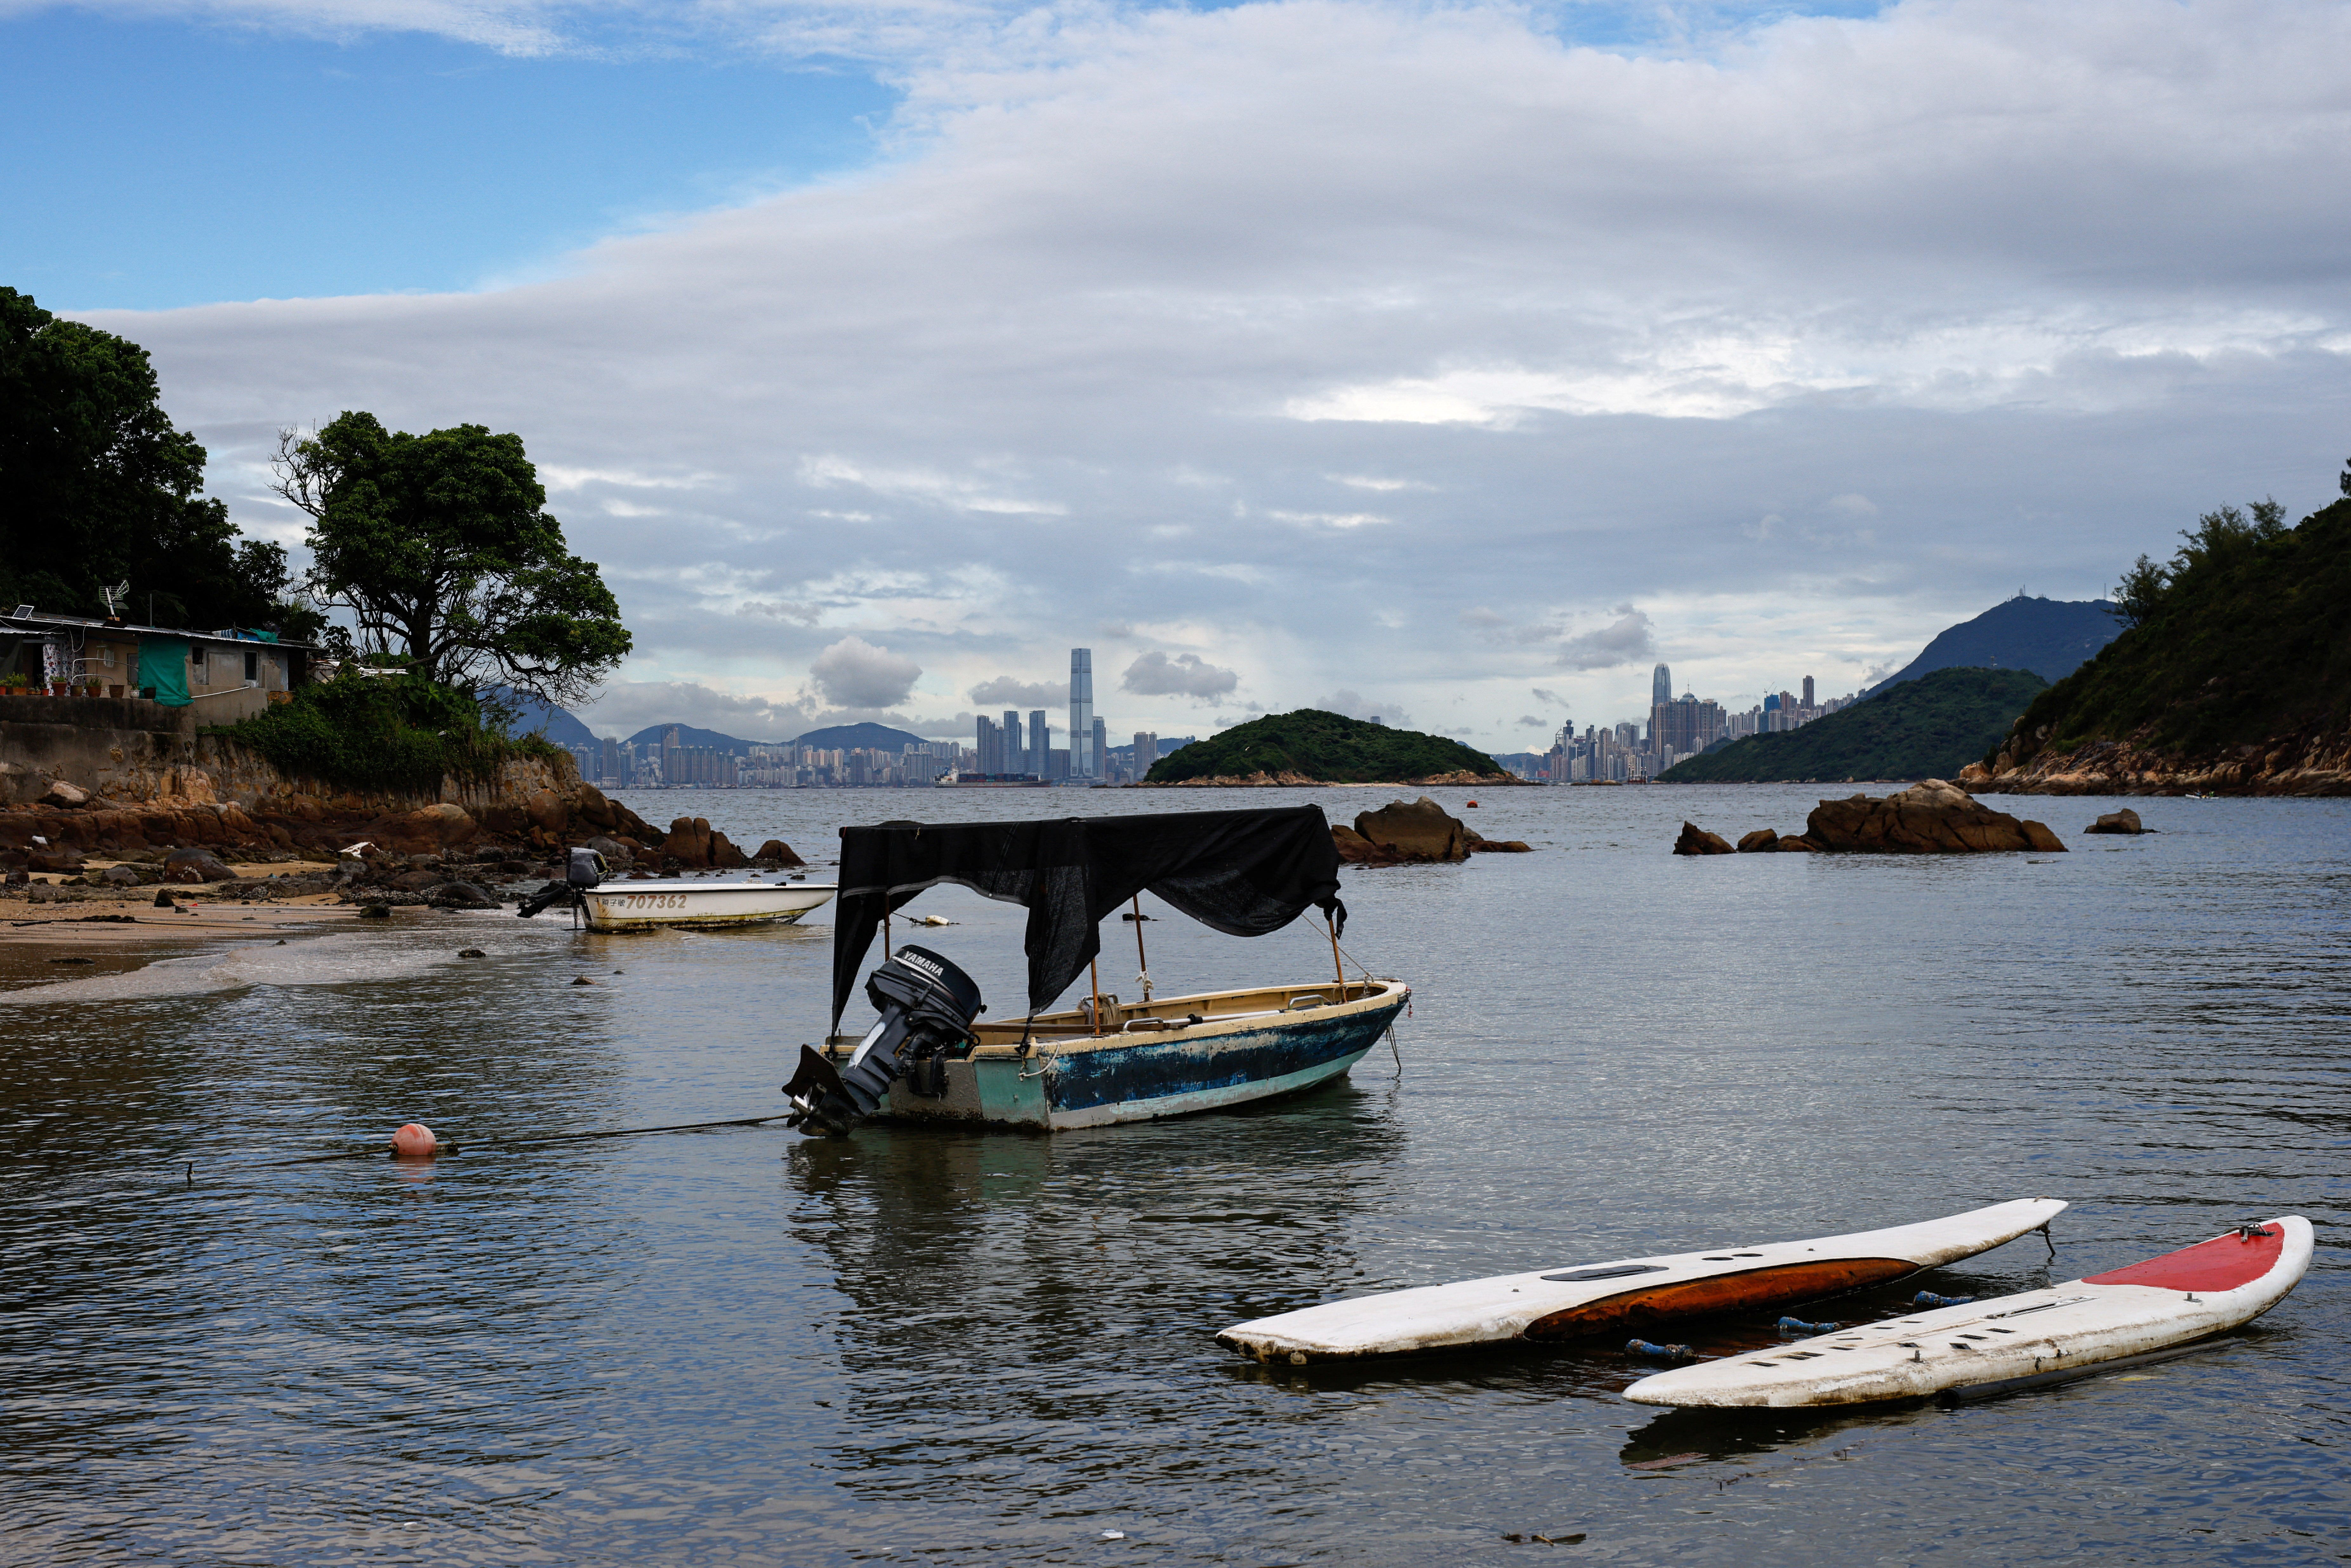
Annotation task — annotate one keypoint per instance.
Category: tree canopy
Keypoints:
(440, 547)
(97, 488)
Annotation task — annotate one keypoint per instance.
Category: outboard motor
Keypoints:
(927, 1005)
(584, 869)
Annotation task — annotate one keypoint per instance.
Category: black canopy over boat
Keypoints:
(1245, 873)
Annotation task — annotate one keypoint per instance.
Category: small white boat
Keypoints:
(1572, 1301)
(659, 903)
(2013, 1342)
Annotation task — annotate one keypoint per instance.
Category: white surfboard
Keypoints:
(2013, 1342)
(1575, 1300)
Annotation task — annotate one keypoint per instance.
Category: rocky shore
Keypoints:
(69, 844)
(2314, 760)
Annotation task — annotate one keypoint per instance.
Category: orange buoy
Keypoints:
(1473, 802)
(413, 1142)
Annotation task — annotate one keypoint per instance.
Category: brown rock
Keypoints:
(1762, 841)
(1502, 847)
(1796, 845)
(723, 855)
(1418, 831)
(2122, 821)
(63, 794)
(545, 809)
(1697, 840)
(1931, 818)
(195, 866)
(593, 807)
(780, 852)
(688, 841)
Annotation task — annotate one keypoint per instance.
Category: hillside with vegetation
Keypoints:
(2235, 672)
(400, 735)
(1929, 728)
(1312, 746)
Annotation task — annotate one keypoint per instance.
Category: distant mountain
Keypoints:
(1314, 745)
(860, 736)
(563, 726)
(2051, 637)
(1927, 728)
(689, 736)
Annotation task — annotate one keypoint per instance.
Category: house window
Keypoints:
(252, 665)
(110, 656)
(196, 661)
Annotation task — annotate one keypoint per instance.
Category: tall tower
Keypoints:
(1808, 691)
(1084, 762)
(1041, 745)
(1016, 750)
(1661, 685)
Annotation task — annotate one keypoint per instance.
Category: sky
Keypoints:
(1452, 362)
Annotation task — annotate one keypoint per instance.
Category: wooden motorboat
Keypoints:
(661, 902)
(929, 1057)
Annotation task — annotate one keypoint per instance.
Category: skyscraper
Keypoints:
(1084, 762)
(1040, 744)
(1016, 750)
(1808, 691)
(1146, 751)
(1661, 685)
(1100, 749)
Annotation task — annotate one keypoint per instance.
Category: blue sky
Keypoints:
(158, 163)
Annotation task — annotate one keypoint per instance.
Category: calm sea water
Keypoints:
(742, 1346)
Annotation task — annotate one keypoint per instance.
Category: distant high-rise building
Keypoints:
(1015, 753)
(1661, 685)
(1100, 749)
(1084, 762)
(989, 746)
(1808, 691)
(1040, 744)
(1146, 751)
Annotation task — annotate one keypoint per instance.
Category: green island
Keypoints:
(1313, 747)
(1929, 728)
(2240, 639)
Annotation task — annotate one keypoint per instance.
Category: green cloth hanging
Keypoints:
(164, 665)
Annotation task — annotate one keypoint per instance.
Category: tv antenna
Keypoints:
(114, 598)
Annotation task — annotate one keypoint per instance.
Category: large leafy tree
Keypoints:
(440, 548)
(97, 488)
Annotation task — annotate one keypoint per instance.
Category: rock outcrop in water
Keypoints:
(1932, 818)
(1410, 833)
(2122, 821)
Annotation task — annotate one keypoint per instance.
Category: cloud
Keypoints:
(1355, 705)
(1004, 692)
(854, 673)
(1133, 287)
(1529, 721)
(781, 610)
(1554, 698)
(1627, 640)
(1154, 675)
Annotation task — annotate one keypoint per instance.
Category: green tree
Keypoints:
(97, 488)
(440, 548)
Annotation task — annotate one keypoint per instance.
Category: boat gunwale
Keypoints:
(1063, 1032)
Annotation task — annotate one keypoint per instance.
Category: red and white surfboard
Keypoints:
(2013, 1342)
(1572, 1301)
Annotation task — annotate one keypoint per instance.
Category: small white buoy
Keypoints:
(413, 1142)
(1114, 1536)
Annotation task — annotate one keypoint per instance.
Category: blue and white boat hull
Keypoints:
(1154, 1061)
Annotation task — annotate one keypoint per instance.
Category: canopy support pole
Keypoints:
(1141, 962)
(1093, 968)
(885, 936)
(1335, 962)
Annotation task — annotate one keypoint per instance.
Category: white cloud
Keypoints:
(1186, 675)
(1627, 640)
(853, 673)
(1004, 692)
(2039, 284)
(1352, 704)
